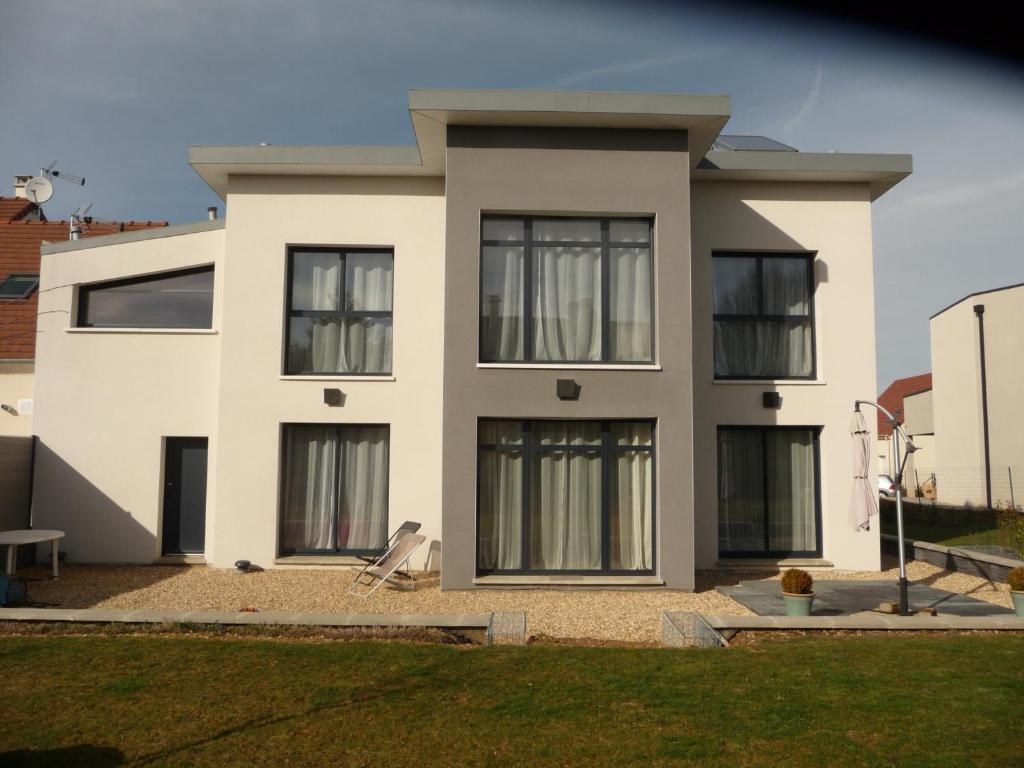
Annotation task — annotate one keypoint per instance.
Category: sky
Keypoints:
(116, 91)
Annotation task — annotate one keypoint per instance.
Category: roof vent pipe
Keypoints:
(211, 212)
(76, 228)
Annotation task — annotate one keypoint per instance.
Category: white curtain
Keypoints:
(566, 511)
(350, 345)
(791, 501)
(501, 303)
(630, 300)
(501, 509)
(567, 303)
(310, 488)
(363, 512)
(631, 543)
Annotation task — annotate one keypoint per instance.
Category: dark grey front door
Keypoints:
(185, 496)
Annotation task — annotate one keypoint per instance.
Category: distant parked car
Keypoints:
(886, 485)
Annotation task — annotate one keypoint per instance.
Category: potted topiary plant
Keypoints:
(797, 592)
(1016, 581)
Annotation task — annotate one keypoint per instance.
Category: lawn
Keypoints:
(948, 526)
(159, 700)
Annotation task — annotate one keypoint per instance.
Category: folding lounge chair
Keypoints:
(374, 574)
(409, 526)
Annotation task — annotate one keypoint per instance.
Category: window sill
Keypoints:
(336, 377)
(771, 382)
(160, 331)
(571, 366)
(529, 580)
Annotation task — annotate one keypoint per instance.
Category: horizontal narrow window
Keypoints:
(763, 316)
(339, 311)
(566, 497)
(558, 290)
(768, 491)
(335, 489)
(179, 299)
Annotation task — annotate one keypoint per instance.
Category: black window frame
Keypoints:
(527, 244)
(766, 553)
(290, 312)
(282, 472)
(84, 289)
(529, 450)
(33, 276)
(759, 257)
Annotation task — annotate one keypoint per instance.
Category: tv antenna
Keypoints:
(39, 188)
(77, 218)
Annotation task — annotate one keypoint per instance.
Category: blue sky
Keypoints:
(117, 90)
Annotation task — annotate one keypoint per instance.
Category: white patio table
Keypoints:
(15, 538)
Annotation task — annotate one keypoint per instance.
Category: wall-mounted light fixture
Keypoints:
(334, 397)
(771, 400)
(567, 389)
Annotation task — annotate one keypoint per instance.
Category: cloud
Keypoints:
(630, 67)
(805, 109)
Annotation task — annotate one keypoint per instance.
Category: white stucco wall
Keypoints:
(16, 382)
(833, 220)
(105, 401)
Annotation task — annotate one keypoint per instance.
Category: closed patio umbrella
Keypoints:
(863, 496)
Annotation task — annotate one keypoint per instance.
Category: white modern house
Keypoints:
(583, 338)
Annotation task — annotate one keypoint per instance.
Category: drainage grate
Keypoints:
(685, 629)
(507, 628)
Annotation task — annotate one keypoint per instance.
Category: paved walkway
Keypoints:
(845, 598)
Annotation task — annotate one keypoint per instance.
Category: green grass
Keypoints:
(950, 527)
(865, 701)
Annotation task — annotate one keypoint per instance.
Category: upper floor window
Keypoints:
(179, 299)
(764, 315)
(18, 286)
(557, 290)
(339, 311)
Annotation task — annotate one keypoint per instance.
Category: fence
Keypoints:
(966, 486)
(15, 482)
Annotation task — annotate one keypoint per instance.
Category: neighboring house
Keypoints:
(977, 415)
(893, 399)
(23, 228)
(552, 332)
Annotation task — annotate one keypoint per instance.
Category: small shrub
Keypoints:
(1016, 579)
(797, 582)
(1011, 526)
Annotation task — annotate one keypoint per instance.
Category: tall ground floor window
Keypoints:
(566, 496)
(334, 496)
(768, 491)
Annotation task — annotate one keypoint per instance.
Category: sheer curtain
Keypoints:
(363, 512)
(501, 496)
(310, 488)
(631, 542)
(566, 512)
(630, 304)
(740, 491)
(791, 502)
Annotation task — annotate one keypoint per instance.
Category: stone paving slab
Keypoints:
(867, 621)
(103, 615)
(845, 598)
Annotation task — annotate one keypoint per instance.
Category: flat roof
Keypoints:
(976, 293)
(703, 116)
(134, 236)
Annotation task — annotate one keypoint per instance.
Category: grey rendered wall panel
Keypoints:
(568, 181)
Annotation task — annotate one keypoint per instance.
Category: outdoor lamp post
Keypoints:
(909, 448)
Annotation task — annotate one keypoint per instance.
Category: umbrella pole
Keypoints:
(897, 432)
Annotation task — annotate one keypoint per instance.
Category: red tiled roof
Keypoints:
(893, 396)
(19, 253)
(14, 208)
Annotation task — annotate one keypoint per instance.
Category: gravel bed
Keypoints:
(623, 615)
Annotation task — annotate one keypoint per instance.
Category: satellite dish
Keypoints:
(38, 189)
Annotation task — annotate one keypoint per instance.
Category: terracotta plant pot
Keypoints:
(798, 605)
(1018, 602)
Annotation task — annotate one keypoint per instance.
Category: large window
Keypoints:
(768, 491)
(764, 310)
(179, 299)
(566, 496)
(339, 311)
(566, 290)
(334, 497)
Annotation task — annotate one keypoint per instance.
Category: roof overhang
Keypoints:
(432, 111)
(880, 172)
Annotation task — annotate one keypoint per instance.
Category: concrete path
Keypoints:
(839, 598)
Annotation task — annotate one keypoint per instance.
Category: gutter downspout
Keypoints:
(979, 310)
